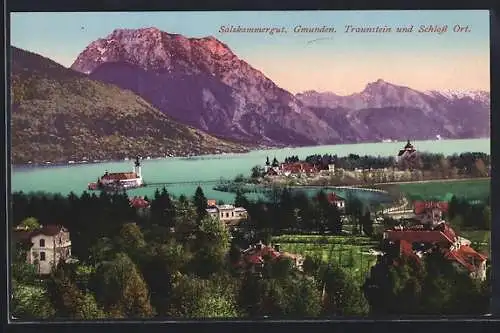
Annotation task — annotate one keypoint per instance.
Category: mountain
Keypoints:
(384, 110)
(59, 114)
(201, 82)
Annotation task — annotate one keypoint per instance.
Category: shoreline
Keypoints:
(188, 156)
(365, 187)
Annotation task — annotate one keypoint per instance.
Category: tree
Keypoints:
(487, 217)
(394, 286)
(193, 297)
(289, 297)
(211, 246)
(286, 209)
(200, 202)
(30, 302)
(101, 250)
(159, 267)
(354, 208)
(479, 169)
(68, 300)
(341, 297)
(257, 171)
(122, 290)
(367, 223)
(240, 200)
(131, 238)
(30, 224)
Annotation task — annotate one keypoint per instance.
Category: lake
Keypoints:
(208, 169)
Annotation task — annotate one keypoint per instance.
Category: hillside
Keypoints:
(201, 82)
(59, 114)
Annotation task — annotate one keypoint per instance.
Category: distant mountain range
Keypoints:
(201, 83)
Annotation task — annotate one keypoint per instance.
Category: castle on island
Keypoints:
(120, 180)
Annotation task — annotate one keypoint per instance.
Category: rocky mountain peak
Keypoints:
(153, 49)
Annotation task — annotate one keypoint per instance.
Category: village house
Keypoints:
(294, 169)
(431, 232)
(49, 245)
(335, 199)
(254, 258)
(142, 206)
(228, 214)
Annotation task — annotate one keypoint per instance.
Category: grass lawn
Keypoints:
(350, 252)
(470, 189)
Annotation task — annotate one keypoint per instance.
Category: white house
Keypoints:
(50, 244)
(227, 213)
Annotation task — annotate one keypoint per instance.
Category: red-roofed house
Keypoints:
(141, 205)
(470, 259)
(297, 168)
(335, 199)
(49, 245)
(254, 257)
(437, 232)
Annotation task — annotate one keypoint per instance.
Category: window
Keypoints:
(42, 242)
(42, 256)
(232, 213)
(227, 214)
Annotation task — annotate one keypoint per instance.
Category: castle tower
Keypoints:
(137, 167)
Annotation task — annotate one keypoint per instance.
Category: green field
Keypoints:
(349, 252)
(469, 189)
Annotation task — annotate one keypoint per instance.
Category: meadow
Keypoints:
(349, 252)
(477, 189)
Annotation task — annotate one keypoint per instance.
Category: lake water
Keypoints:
(208, 169)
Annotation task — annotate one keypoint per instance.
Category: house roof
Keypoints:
(421, 206)
(225, 207)
(21, 235)
(255, 255)
(120, 176)
(48, 230)
(458, 257)
(468, 251)
(139, 202)
(254, 259)
(334, 197)
(211, 203)
(297, 167)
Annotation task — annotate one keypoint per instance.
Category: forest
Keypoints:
(177, 262)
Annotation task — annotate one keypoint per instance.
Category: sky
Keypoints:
(339, 62)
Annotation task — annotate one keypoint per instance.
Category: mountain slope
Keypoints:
(59, 114)
(423, 115)
(200, 81)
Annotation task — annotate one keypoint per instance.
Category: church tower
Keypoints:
(268, 165)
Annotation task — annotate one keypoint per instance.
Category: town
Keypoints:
(108, 255)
